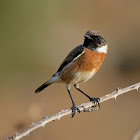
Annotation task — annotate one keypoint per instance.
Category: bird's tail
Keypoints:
(55, 78)
(46, 84)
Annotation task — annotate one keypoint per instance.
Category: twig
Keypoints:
(83, 107)
(136, 135)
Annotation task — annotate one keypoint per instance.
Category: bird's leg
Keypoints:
(74, 107)
(93, 99)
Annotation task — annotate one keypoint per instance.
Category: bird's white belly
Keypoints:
(83, 76)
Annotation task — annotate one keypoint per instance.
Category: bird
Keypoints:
(80, 65)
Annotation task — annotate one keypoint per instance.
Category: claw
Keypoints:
(74, 109)
(95, 101)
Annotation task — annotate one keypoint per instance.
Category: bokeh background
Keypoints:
(36, 36)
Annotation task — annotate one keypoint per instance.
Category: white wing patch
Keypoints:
(78, 55)
(102, 49)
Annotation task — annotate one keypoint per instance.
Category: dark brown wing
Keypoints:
(71, 56)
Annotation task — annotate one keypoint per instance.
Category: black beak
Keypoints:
(87, 36)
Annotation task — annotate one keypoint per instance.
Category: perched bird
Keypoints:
(80, 65)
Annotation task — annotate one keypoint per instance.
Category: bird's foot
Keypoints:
(95, 101)
(74, 109)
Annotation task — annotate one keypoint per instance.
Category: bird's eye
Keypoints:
(98, 37)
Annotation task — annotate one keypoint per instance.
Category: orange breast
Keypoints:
(83, 68)
(90, 60)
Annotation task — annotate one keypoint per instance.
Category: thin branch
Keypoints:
(136, 135)
(83, 107)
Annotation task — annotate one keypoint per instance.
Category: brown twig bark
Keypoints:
(83, 107)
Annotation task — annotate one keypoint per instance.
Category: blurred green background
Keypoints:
(35, 36)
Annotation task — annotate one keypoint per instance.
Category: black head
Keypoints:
(93, 40)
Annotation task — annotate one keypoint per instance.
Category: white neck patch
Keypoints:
(102, 49)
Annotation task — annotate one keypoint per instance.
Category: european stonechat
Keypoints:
(80, 65)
